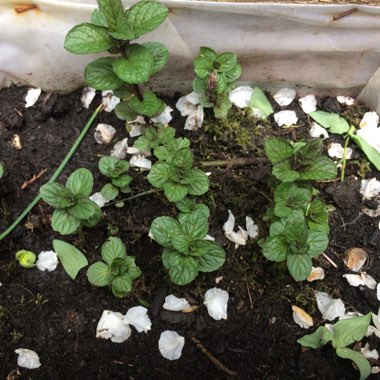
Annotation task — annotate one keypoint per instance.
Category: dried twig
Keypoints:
(329, 260)
(212, 358)
(344, 14)
(33, 179)
(249, 295)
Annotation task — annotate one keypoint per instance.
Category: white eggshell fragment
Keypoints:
(241, 96)
(174, 303)
(171, 344)
(316, 274)
(330, 308)
(337, 151)
(317, 131)
(120, 149)
(47, 260)
(27, 358)
(378, 291)
(370, 120)
(195, 119)
(32, 97)
(138, 317)
(286, 118)
(112, 326)
(140, 161)
(308, 103)
(216, 301)
(347, 100)
(355, 258)
(229, 226)
(368, 353)
(88, 95)
(164, 117)
(99, 199)
(104, 133)
(370, 188)
(361, 279)
(136, 126)
(284, 96)
(303, 319)
(109, 100)
(252, 228)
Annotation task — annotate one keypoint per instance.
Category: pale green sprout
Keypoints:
(26, 259)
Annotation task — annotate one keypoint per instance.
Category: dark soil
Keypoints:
(57, 317)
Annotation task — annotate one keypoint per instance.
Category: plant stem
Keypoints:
(134, 197)
(344, 157)
(55, 175)
(237, 161)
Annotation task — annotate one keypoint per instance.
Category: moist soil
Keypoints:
(57, 317)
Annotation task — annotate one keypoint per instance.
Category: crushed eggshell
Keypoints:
(104, 133)
(136, 126)
(16, 142)
(317, 273)
(355, 258)
(138, 317)
(252, 228)
(27, 358)
(308, 103)
(337, 151)
(99, 199)
(109, 100)
(241, 96)
(121, 149)
(140, 161)
(378, 291)
(361, 279)
(112, 326)
(88, 95)
(317, 131)
(330, 308)
(285, 118)
(164, 117)
(216, 301)
(368, 353)
(284, 96)
(47, 260)
(174, 303)
(345, 100)
(303, 319)
(370, 188)
(370, 120)
(171, 344)
(32, 97)
(195, 119)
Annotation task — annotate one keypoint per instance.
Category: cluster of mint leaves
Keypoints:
(186, 252)
(117, 270)
(111, 30)
(299, 220)
(216, 75)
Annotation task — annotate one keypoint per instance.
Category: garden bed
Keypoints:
(57, 317)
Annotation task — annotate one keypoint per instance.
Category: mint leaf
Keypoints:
(159, 174)
(199, 184)
(284, 172)
(97, 274)
(99, 74)
(203, 65)
(87, 38)
(113, 249)
(195, 225)
(289, 197)
(221, 84)
(170, 257)
(64, 223)
(331, 121)
(199, 85)
(323, 168)
(122, 182)
(318, 242)
(183, 159)
(149, 106)
(221, 110)
(113, 12)
(183, 270)
(175, 191)
(160, 55)
(124, 112)
(277, 149)
(121, 285)
(181, 242)
(56, 195)
(234, 74)
(80, 182)
(98, 18)
(109, 192)
(299, 266)
(225, 62)
(358, 358)
(164, 229)
(84, 209)
(132, 269)
(275, 248)
(210, 255)
(94, 219)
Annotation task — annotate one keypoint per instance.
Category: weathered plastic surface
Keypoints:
(278, 44)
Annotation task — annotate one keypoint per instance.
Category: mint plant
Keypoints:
(299, 220)
(216, 75)
(117, 270)
(73, 207)
(114, 169)
(113, 29)
(1, 170)
(341, 335)
(186, 252)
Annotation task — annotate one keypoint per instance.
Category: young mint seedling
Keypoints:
(73, 206)
(216, 75)
(186, 253)
(341, 335)
(112, 29)
(117, 270)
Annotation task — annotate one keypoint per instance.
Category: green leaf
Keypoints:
(181, 242)
(299, 266)
(124, 112)
(309, 152)
(277, 149)
(288, 197)
(317, 339)
(56, 195)
(221, 83)
(109, 192)
(174, 192)
(284, 172)
(187, 205)
(84, 209)
(113, 249)
(207, 52)
(358, 358)
(137, 67)
(372, 154)
(195, 225)
(317, 212)
(183, 270)
(203, 66)
(122, 182)
(1, 170)
(159, 174)
(234, 74)
(80, 182)
(166, 134)
(71, 258)
(98, 18)
(259, 101)
(113, 12)
(331, 121)
(225, 62)
(200, 182)
(121, 285)
(276, 229)
(87, 38)
(318, 242)
(164, 229)
(112, 167)
(275, 248)
(160, 55)
(123, 29)
(183, 159)
(323, 168)
(169, 256)
(149, 106)
(99, 74)
(133, 270)
(146, 16)
(64, 223)
(221, 110)
(97, 274)
(199, 85)
(94, 219)
(210, 255)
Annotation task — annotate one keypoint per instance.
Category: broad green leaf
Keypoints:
(170, 257)
(233, 74)
(275, 248)
(56, 195)
(200, 182)
(358, 358)
(64, 223)
(109, 192)
(123, 29)
(296, 231)
(149, 106)
(202, 66)
(284, 172)
(98, 18)
(259, 100)
(113, 249)
(121, 285)
(124, 112)
(221, 83)
(122, 182)
(122, 92)
(318, 242)
(221, 110)
(159, 174)
(99, 74)
(94, 219)
(225, 62)
(323, 168)
(133, 270)
(195, 225)
(317, 212)
(207, 52)
(146, 16)
(187, 205)
(112, 167)
(276, 229)
(80, 182)
(372, 154)
(183, 270)
(164, 229)
(309, 152)
(199, 85)
(181, 242)
(84, 209)
(97, 274)
(317, 339)
(87, 38)
(71, 258)
(210, 255)
(183, 158)
(331, 121)
(137, 67)
(299, 266)
(277, 149)
(166, 134)
(113, 12)
(288, 197)
(175, 191)
(160, 55)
